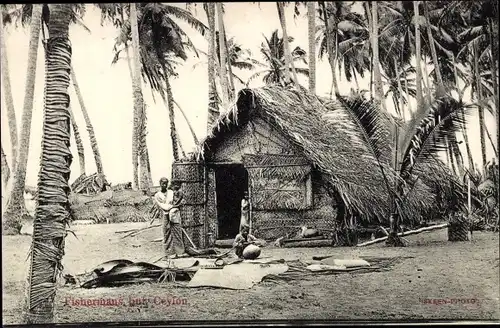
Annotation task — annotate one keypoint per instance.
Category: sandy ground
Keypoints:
(437, 270)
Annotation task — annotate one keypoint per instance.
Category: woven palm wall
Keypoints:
(193, 184)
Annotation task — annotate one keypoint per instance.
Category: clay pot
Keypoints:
(251, 252)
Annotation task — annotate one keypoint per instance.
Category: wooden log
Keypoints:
(292, 240)
(224, 243)
(309, 243)
(407, 233)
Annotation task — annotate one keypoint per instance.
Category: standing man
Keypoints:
(172, 231)
(245, 211)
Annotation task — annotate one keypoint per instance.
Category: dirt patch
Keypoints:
(430, 268)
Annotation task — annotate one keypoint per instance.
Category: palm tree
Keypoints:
(223, 59)
(16, 208)
(88, 123)
(288, 54)
(79, 143)
(5, 169)
(161, 42)
(352, 41)
(7, 89)
(237, 56)
(418, 146)
(273, 52)
(331, 42)
(311, 29)
(52, 211)
(379, 92)
(137, 95)
(213, 105)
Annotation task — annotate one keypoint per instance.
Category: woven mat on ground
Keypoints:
(242, 275)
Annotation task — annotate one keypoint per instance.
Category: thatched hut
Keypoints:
(297, 168)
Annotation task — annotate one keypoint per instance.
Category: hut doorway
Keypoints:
(231, 184)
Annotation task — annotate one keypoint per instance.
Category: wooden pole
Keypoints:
(407, 233)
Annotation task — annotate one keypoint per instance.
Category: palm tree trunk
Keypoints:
(145, 177)
(491, 140)
(145, 153)
(213, 106)
(458, 157)
(449, 152)
(410, 107)
(5, 169)
(370, 29)
(493, 59)
(427, 84)
(480, 108)
(79, 143)
(464, 126)
(9, 100)
(171, 117)
(16, 207)
(418, 60)
(195, 139)
(88, 123)
(286, 45)
(137, 94)
(52, 211)
(311, 29)
(379, 92)
(223, 57)
(437, 69)
(331, 55)
(232, 89)
(400, 88)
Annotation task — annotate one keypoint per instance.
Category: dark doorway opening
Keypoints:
(231, 184)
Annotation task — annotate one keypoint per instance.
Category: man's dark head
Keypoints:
(245, 229)
(175, 185)
(163, 184)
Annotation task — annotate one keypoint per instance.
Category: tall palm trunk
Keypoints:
(9, 100)
(195, 139)
(232, 89)
(79, 143)
(368, 15)
(16, 207)
(145, 153)
(311, 29)
(480, 107)
(437, 69)
(142, 148)
(52, 210)
(331, 48)
(288, 56)
(379, 92)
(213, 106)
(5, 169)
(88, 123)
(400, 88)
(493, 60)
(418, 60)
(171, 117)
(223, 57)
(464, 126)
(137, 94)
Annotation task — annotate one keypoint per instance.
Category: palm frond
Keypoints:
(372, 124)
(442, 121)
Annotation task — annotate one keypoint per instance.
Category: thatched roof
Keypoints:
(333, 149)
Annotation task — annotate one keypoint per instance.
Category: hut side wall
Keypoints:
(259, 137)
